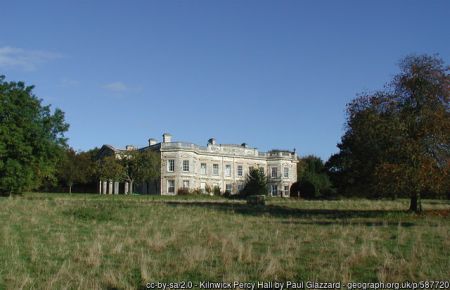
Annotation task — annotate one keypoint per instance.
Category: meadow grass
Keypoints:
(81, 241)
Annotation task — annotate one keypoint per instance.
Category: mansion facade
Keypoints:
(190, 166)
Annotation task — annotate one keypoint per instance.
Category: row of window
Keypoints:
(240, 170)
(274, 172)
(228, 187)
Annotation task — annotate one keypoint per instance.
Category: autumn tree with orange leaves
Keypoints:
(397, 141)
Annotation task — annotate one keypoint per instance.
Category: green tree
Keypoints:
(141, 166)
(313, 181)
(75, 168)
(131, 166)
(362, 147)
(256, 183)
(110, 168)
(90, 157)
(131, 170)
(31, 138)
(397, 141)
(150, 167)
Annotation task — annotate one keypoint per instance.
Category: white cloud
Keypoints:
(28, 60)
(116, 87)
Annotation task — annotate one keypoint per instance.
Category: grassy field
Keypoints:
(60, 241)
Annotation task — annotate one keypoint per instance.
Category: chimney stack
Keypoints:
(152, 141)
(167, 138)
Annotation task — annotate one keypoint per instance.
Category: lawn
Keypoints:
(80, 241)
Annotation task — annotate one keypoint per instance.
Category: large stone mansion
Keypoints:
(190, 166)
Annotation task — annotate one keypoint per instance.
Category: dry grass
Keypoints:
(98, 242)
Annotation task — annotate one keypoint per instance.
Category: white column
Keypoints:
(110, 187)
(100, 187)
(126, 188)
(116, 187)
(104, 185)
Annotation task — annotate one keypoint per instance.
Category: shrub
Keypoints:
(183, 191)
(208, 189)
(295, 190)
(216, 190)
(308, 189)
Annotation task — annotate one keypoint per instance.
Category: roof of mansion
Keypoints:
(211, 148)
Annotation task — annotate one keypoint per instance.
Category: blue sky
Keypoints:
(273, 74)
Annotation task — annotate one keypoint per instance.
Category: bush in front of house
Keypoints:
(183, 191)
(216, 190)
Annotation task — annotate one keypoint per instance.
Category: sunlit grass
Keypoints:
(58, 241)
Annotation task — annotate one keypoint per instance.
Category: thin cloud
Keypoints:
(116, 87)
(120, 89)
(22, 59)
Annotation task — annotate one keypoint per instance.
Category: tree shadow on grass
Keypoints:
(354, 223)
(305, 216)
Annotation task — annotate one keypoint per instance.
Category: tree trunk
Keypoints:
(131, 187)
(416, 203)
(70, 189)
